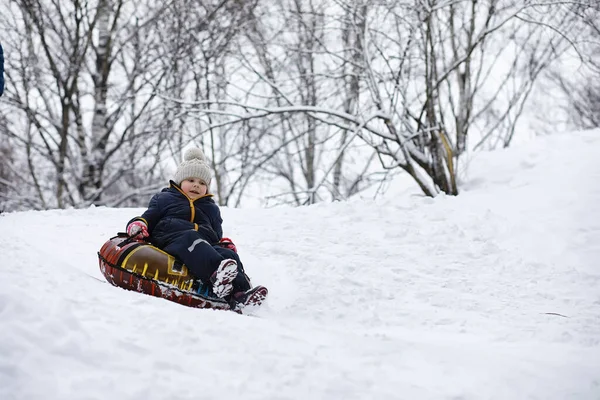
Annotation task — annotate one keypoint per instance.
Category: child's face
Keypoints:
(194, 187)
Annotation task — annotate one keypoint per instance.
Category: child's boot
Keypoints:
(252, 297)
(221, 279)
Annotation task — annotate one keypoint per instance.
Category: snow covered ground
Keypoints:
(494, 294)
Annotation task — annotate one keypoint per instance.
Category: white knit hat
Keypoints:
(194, 165)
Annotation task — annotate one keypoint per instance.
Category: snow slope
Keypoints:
(494, 294)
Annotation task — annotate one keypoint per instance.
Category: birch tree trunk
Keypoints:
(93, 160)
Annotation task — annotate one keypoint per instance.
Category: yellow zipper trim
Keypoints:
(192, 208)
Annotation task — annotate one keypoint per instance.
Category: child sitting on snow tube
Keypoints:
(184, 221)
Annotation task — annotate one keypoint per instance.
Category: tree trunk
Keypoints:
(93, 163)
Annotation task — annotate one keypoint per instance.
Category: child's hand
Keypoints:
(228, 244)
(137, 229)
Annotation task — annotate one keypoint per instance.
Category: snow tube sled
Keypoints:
(139, 266)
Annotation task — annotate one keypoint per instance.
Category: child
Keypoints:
(185, 222)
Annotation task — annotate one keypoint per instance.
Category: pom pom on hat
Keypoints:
(194, 165)
(194, 152)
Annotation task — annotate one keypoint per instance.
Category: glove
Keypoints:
(228, 244)
(137, 229)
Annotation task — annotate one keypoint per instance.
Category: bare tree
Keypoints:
(290, 73)
(89, 87)
(317, 98)
(582, 88)
(59, 73)
(427, 74)
(287, 64)
(198, 40)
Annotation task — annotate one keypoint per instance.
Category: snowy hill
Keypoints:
(494, 294)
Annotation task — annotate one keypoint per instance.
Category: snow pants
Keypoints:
(202, 259)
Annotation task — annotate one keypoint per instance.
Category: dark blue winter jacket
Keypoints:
(171, 213)
(1, 71)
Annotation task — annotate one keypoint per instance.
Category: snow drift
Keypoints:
(493, 294)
